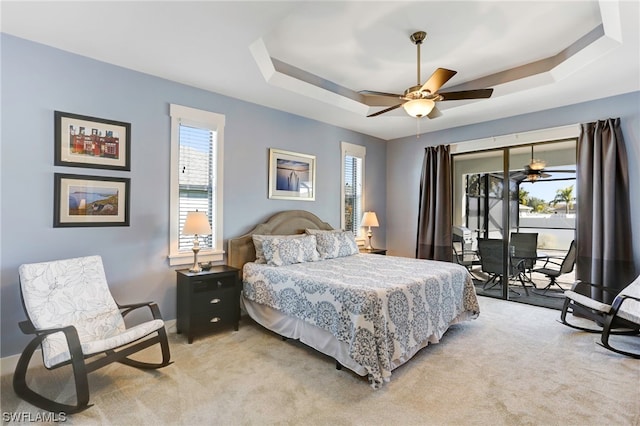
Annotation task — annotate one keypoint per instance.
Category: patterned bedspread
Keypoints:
(382, 306)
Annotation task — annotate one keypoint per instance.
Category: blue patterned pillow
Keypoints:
(287, 251)
(334, 244)
(258, 240)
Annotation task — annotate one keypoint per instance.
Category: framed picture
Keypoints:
(292, 176)
(82, 141)
(81, 200)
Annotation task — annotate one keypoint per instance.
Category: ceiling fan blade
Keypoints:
(545, 175)
(466, 94)
(380, 100)
(374, 93)
(385, 110)
(438, 79)
(435, 113)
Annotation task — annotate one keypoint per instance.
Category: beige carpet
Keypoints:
(514, 365)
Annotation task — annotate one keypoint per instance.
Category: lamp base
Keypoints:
(369, 246)
(196, 266)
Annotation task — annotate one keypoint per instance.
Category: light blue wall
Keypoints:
(404, 160)
(36, 80)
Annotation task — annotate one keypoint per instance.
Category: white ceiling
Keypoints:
(310, 58)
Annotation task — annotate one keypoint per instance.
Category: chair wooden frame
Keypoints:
(608, 316)
(81, 368)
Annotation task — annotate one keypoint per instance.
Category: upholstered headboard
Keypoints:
(289, 222)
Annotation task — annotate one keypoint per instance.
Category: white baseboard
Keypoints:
(8, 363)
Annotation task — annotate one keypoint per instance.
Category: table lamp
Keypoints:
(369, 219)
(196, 224)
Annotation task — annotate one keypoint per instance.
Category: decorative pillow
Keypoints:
(287, 251)
(259, 239)
(322, 231)
(336, 244)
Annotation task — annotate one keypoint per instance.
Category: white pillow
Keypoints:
(287, 251)
(332, 244)
(259, 239)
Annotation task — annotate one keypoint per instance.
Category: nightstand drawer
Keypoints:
(211, 284)
(221, 315)
(213, 301)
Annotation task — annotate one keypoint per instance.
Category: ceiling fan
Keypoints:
(420, 100)
(535, 170)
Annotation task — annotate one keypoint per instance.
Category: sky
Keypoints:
(546, 190)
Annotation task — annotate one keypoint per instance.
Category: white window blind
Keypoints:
(352, 202)
(352, 193)
(196, 181)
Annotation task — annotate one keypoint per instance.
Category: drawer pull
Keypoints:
(219, 283)
(214, 319)
(214, 301)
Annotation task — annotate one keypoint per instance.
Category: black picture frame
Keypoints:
(83, 200)
(83, 141)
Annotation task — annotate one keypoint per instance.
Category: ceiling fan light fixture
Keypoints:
(537, 164)
(418, 108)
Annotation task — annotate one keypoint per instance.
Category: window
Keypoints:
(352, 203)
(196, 181)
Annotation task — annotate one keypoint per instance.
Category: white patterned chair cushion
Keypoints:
(75, 292)
(630, 309)
(287, 251)
(333, 244)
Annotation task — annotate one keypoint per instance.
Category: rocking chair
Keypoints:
(74, 318)
(621, 317)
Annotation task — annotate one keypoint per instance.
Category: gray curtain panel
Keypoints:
(605, 251)
(435, 211)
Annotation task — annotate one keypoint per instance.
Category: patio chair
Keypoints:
(523, 255)
(490, 251)
(621, 317)
(465, 257)
(74, 318)
(564, 267)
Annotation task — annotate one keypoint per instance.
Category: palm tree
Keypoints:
(523, 196)
(564, 195)
(537, 204)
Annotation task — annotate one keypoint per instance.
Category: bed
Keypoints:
(371, 313)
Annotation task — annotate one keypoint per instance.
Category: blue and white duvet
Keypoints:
(382, 307)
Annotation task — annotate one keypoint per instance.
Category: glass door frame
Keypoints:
(505, 151)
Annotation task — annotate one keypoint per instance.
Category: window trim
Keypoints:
(359, 151)
(204, 119)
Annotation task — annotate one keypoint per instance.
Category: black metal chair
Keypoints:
(621, 317)
(564, 267)
(491, 261)
(74, 318)
(523, 253)
(465, 257)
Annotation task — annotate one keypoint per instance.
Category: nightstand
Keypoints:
(374, 251)
(208, 300)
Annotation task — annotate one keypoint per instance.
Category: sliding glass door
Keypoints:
(501, 194)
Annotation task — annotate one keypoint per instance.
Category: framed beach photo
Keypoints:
(292, 176)
(81, 200)
(83, 141)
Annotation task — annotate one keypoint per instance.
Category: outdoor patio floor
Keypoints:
(552, 298)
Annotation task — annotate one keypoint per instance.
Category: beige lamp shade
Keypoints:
(369, 219)
(197, 223)
(418, 107)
